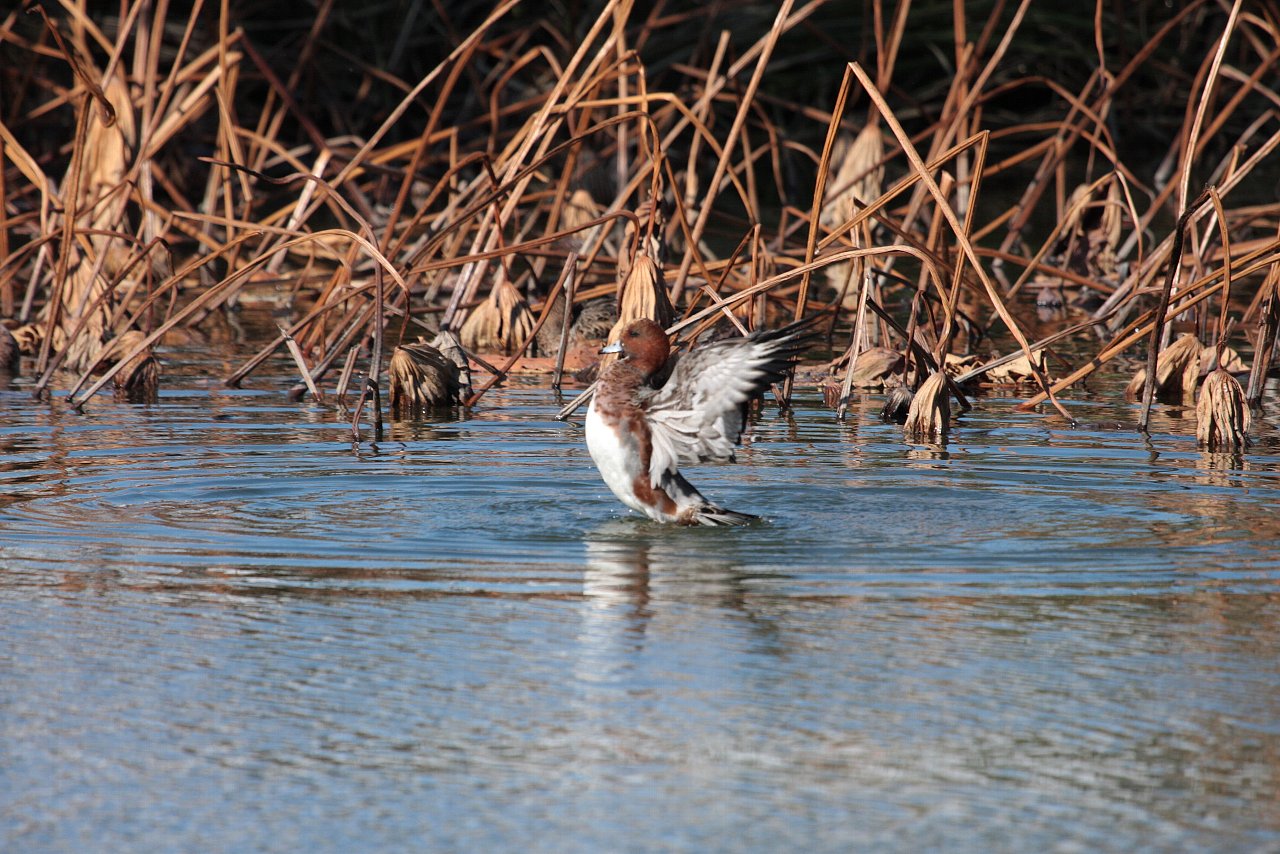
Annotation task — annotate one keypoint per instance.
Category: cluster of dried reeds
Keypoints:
(490, 171)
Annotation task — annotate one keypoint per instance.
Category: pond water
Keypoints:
(225, 628)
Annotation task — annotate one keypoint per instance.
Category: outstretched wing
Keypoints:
(699, 414)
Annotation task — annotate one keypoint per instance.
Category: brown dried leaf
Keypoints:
(1177, 372)
(1230, 362)
(1092, 234)
(874, 366)
(28, 337)
(1019, 370)
(1105, 239)
(930, 413)
(421, 378)
(83, 289)
(956, 365)
(1222, 418)
(1179, 367)
(1133, 391)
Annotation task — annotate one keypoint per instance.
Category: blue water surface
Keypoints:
(226, 627)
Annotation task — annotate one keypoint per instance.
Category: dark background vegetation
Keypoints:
(350, 63)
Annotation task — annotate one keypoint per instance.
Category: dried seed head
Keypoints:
(927, 420)
(644, 294)
(1222, 418)
(500, 324)
(655, 242)
(421, 378)
(652, 243)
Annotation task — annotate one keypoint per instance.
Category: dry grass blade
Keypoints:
(540, 139)
(500, 324)
(928, 419)
(1222, 416)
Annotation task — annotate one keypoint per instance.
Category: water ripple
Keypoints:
(1034, 638)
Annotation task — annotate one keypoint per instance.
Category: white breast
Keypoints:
(618, 463)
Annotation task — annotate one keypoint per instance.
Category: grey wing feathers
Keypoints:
(699, 414)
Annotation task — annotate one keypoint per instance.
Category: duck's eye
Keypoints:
(631, 333)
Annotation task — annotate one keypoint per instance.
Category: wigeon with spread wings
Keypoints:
(639, 436)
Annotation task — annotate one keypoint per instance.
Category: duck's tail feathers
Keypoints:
(712, 515)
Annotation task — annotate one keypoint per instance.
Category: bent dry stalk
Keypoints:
(668, 147)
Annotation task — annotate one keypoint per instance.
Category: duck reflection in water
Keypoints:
(630, 563)
(645, 589)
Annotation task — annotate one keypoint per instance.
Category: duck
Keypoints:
(639, 436)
